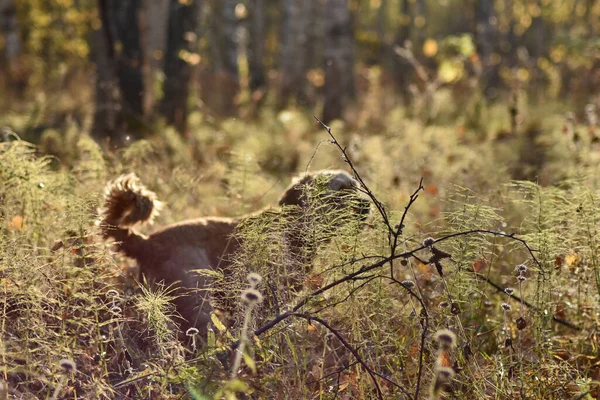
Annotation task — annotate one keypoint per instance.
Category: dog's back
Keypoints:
(179, 253)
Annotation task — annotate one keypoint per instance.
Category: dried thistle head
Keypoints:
(443, 375)
(428, 242)
(408, 284)
(116, 310)
(454, 308)
(506, 307)
(446, 338)
(191, 332)
(254, 279)
(252, 296)
(509, 291)
(67, 365)
(522, 268)
(521, 278)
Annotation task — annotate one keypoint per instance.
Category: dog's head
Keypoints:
(329, 192)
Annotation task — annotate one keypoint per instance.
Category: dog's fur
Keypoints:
(170, 254)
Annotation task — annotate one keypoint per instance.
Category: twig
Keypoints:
(529, 305)
(384, 261)
(357, 176)
(354, 352)
(337, 371)
(425, 326)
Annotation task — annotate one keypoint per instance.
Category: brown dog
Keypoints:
(174, 254)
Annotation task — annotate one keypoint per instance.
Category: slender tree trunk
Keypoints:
(221, 85)
(157, 16)
(108, 106)
(154, 29)
(486, 35)
(9, 26)
(384, 53)
(256, 48)
(130, 57)
(402, 69)
(339, 59)
(421, 24)
(511, 38)
(228, 38)
(539, 38)
(295, 34)
(181, 38)
(119, 60)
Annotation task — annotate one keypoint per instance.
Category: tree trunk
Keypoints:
(157, 16)
(221, 85)
(296, 22)
(9, 26)
(256, 48)
(129, 57)
(511, 38)
(181, 37)
(402, 68)
(339, 59)
(486, 35)
(108, 98)
(119, 78)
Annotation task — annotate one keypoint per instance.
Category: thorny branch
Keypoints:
(352, 350)
(367, 191)
(394, 232)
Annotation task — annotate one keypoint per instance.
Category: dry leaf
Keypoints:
(479, 265)
(572, 259)
(16, 223)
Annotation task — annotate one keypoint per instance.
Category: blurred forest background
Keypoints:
(120, 69)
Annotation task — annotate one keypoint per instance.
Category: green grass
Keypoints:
(59, 301)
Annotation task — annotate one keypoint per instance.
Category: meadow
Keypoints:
(484, 223)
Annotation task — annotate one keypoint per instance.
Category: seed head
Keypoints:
(509, 291)
(521, 278)
(67, 365)
(522, 268)
(442, 379)
(455, 308)
(251, 296)
(521, 323)
(408, 284)
(116, 310)
(506, 307)
(445, 372)
(254, 279)
(428, 241)
(446, 338)
(191, 332)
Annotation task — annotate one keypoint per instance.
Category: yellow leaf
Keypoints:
(16, 223)
(430, 48)
(250, 362)
(449, 71)
(217, 322)
(572, 259)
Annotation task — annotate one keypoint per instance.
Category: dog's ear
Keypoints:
(295, 195)
(341, 180)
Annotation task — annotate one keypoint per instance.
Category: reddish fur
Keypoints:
(169, 254)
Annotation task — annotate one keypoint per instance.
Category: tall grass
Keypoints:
(66, 296)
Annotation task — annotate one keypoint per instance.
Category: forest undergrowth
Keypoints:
(477, 274)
